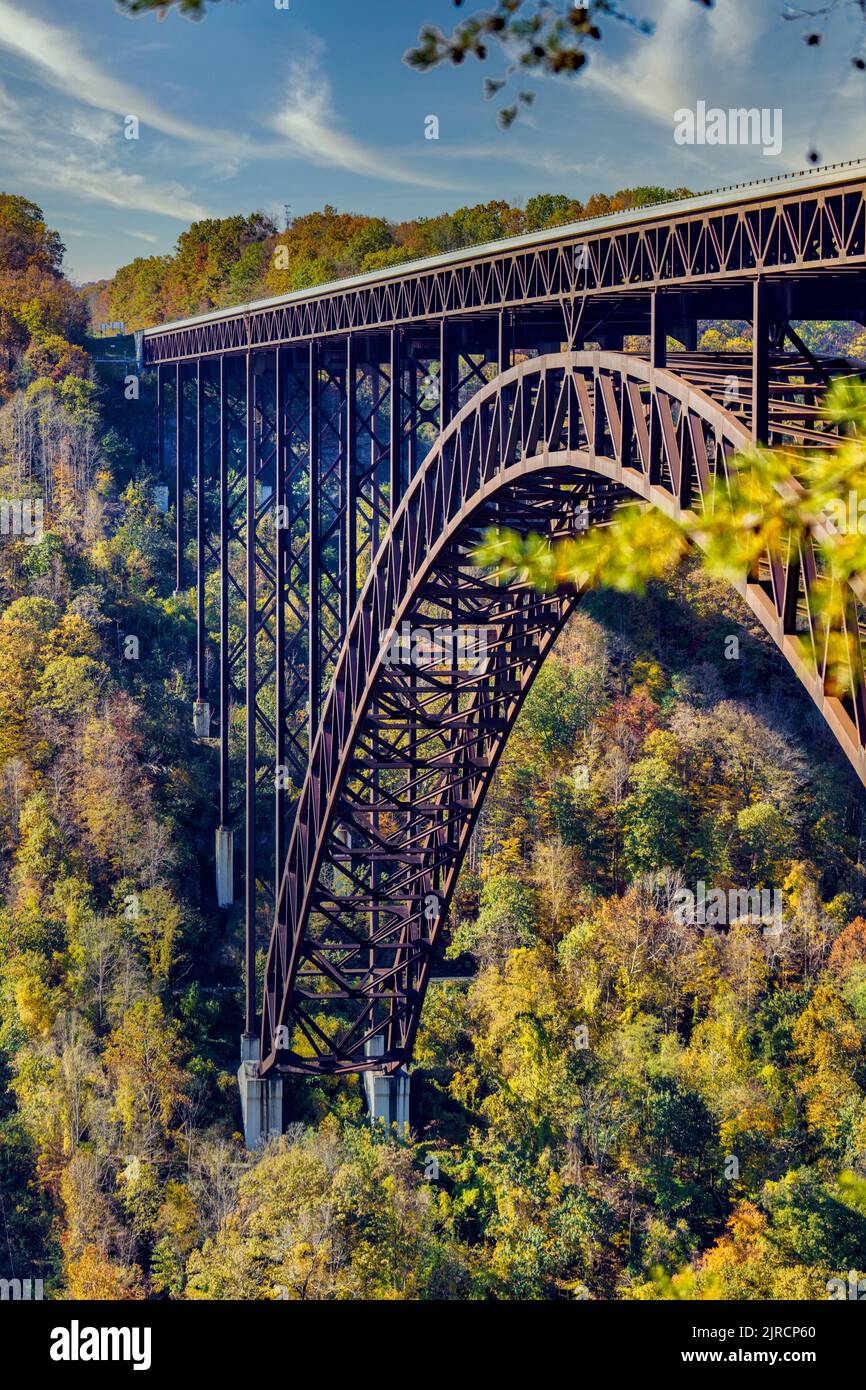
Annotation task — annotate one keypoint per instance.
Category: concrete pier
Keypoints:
(225, 886)
(261, 1100)
(387, 1094)
(201, 718)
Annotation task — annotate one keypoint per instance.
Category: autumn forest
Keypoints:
(610, 1103)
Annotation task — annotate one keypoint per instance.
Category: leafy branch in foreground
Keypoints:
(195, 9)
(555, 37)
(544, 37)
(772, 502)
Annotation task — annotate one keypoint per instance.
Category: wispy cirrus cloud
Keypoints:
(42, 152)
(80, 153)
(105, 183)
(69, 144)
(55, 55)
(555, 162)
(8, 110)
(654, 78)
(310, 128)
(695, 52)
(720, 55)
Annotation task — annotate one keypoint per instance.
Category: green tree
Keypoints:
(331, 1215)
(654, 814)
(506, 920)
(144, 1058)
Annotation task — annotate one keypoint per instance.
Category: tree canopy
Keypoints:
(611, 1103)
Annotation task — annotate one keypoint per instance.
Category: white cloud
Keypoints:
(307, 124)
(65, 146)
(739, 53)
(691, 50)
(94, 128)
(105, 183)
(556, 163)
(40, 156)
(655, 77)
(58, 58)
(8, 111)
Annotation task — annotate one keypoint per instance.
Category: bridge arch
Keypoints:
(406, 751)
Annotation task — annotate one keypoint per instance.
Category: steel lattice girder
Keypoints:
(334, 432)
(293, 485)
(403, 757)
(816, 225)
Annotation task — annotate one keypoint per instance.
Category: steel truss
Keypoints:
(306, 451)
(804, 231)
(405, 750)
(335, 459)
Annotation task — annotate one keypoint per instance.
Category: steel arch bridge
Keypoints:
(337, 455)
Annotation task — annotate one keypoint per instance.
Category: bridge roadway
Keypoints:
(337, 453)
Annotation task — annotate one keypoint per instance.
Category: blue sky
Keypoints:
(255, 107)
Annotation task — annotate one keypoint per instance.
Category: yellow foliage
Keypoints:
(34, 999)
(93, 1277)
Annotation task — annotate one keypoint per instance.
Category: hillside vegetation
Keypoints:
(610, 1103)
(224, 261)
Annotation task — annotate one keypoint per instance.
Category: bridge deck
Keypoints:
(796, 225)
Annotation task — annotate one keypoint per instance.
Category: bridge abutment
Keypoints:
(261, 1098)
(387, 1094)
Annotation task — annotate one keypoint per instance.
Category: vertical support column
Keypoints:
(447, 405)
(200, 532)
(686, 331)
(179, 480)
(504, 357)
(412, 396)
(314, 643)
(250, 690)
(350, 485)
(396, 431)
(387, 1093)
(504, 337)
(224, 835)
(598, 414)
(349, 524)
(261, 1100)
(160, 424)
(293, 432)
(281, 540)
(658, 358)
(760, 361)
(446, 376)
(201, 709)
(658, 332)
